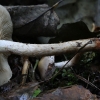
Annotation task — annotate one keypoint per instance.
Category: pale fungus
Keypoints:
(6, 28)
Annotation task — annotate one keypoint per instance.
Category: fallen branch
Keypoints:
(48, 49)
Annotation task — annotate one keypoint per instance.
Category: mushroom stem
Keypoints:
(71, 63)
(48, 49)
(5, 71)
(60, 64)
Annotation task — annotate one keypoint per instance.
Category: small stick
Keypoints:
(33, 71)
(25, 70)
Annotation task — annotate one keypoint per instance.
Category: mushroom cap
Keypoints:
(6, 26)
(44, 64)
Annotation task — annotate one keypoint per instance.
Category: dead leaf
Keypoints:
(73, 31)
(27, 22)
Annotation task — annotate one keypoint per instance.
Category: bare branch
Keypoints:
(48, 49)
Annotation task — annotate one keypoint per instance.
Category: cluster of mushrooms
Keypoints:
(46, 51)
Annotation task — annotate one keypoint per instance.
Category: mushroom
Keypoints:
(6, 28)
(45, 66)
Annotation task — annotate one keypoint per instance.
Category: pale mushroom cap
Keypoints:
(44, 64)
(6, 26)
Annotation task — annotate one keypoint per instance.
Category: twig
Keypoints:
(33, 72)
(25, 70)
(86, 81)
